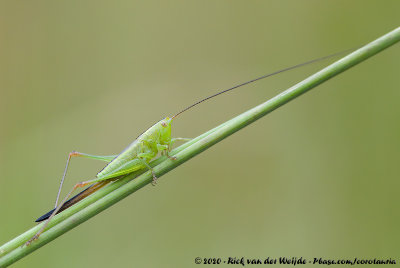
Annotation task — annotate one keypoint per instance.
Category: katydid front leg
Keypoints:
(165, 149)
(168, 147)
(173, 140)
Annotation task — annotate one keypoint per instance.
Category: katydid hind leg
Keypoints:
(55, 211)
(106, 158)
(130, 166)
(97, 183)
(75, 199)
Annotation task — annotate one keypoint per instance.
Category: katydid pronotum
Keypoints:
(137, 155)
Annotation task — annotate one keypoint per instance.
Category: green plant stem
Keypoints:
(107, 196)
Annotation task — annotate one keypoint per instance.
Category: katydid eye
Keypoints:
(164, 124)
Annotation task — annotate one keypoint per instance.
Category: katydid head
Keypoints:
(165, 129)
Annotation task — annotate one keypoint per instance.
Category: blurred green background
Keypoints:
(316, 178)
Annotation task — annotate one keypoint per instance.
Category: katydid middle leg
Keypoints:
(142, 157)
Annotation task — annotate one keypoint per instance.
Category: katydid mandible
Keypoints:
(138, 154)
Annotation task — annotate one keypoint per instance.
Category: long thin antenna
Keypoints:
(262, 77)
